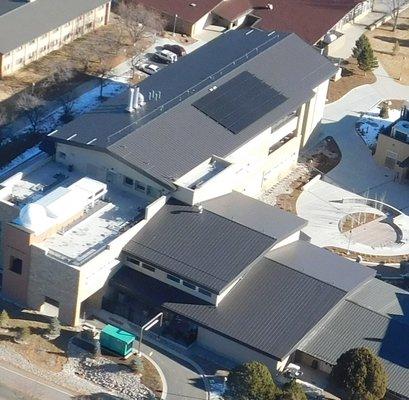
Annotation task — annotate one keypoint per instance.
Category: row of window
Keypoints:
(170, 277)
(141, 187)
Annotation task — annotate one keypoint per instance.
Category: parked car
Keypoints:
(149, 68)
(175, 48)
(166, 56)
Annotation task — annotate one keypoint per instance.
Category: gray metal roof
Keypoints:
(169, 136)
(31, 20)
(8, 5)
(382, 298)
(270, 310)
(355, 326)
(322, 264)
(256, 215)
(202, 247)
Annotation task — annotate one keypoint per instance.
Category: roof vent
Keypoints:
(192, 4)
(131, 100)
(269, 6)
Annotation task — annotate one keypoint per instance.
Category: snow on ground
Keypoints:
(370, 124)
(85, 103)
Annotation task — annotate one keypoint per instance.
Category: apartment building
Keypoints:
(147, 206)
(31, 29)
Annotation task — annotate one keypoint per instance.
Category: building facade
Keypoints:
(45, 26)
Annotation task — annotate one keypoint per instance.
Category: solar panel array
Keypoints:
(239, 102)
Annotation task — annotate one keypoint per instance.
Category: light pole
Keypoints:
(147, 326)
(174, 25)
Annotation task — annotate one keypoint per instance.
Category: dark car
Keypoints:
(175, 48)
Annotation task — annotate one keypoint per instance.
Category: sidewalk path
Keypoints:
(357, 170)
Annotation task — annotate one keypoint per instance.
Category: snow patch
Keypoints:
(370, 124)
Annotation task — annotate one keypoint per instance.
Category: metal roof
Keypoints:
(205, 248)
(32, 19)
(323, 265)
(169, 136)
(8, 5)
(355, 326)
(256, 215)
(270, 310)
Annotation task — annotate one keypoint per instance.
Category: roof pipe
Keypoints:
(131, 100)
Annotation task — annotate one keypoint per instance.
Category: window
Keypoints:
(19, 61)
(7, 67)
(62, 155)
(173, 278)
(390, 160)
(148, 267)
(132, 260)
(55, 30)
(189, 285)
(67, 36)
(16, 265)
(7, 55)
(89, 25)
(205, 292)
(33, 41)
(128, 181)
(152, 192)
(139, 186)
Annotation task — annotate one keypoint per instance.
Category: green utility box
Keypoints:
(117, 340)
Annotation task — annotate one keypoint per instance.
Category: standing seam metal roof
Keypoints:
(33, 19)
(204, 248)
(355, 326)
(170, 142)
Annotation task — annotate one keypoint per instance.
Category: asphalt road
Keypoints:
(18, 385)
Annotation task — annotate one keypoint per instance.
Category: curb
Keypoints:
(161, 375)
(194, 364)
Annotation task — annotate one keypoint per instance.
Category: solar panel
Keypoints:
(239, 102)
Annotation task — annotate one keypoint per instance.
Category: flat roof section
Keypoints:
(202, 247)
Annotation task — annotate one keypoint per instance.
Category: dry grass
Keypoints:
(352, 77)
(369, 257)
(354, 220)
(48, 355)
(383, 40)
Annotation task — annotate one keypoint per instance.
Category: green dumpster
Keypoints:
(117, 340)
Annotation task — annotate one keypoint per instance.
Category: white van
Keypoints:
(167, 56)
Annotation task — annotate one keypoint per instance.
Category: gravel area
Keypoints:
(84, 375)
(284, 186)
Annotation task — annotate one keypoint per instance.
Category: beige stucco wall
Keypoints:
(385, 144)
(232, 350)
(96, 164)
(53, 40)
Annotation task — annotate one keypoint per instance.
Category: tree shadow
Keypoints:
(402, 42)
(96, 396)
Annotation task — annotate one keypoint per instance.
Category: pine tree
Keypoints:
(361, 374)
(366, 59)
(4, 319)
(97, 348)
(54, 327)
(24, 334)
(360, 45)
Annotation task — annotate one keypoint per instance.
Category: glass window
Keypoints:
(16, 265)
(205, 292)
(148, 267)
(132, 260)
(128, 181)
(153, 192)
(139, 186)
(62, 155)
(173, 278)
(189, 285)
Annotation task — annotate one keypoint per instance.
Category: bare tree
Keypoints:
(135, 58)
(31, 107)
(393, 8)
(139, 21)
(67, 101)
(3, 121)
(83, 55)
(103, 70)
